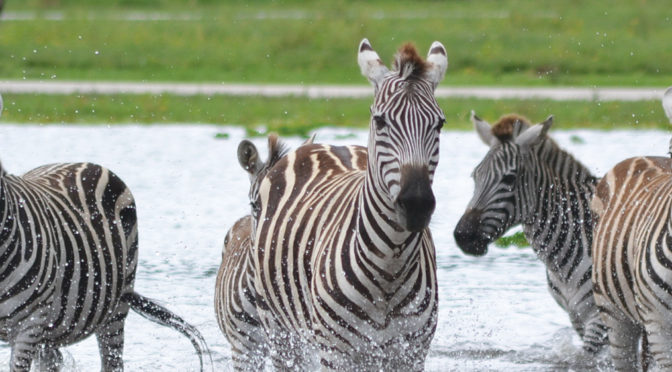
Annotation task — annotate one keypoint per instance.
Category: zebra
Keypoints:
(344, 263)
(526, 178)
(632, 252)
(632, 256)
(68, 258)
(235, 295)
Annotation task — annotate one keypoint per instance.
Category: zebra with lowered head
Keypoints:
(235, 295)
(69, 252)
(526, 178)
(344, 263)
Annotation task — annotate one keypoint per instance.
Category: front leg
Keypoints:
(49, 360)
(25, 345)
(28, 338)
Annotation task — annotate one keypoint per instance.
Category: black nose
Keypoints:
(468, 235)
(416, 202)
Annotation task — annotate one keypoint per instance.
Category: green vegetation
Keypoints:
(517, 240)
(298, 116)
(503, 42)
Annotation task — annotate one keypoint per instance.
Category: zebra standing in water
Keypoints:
(632, 256)
(235, 296)
(69, 252)
(344, 264)
(527, 179)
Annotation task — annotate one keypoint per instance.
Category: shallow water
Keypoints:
(495, 311)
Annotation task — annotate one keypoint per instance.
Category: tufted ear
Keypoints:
(484, 130)
(437, 58)
(535, 134)
(248, 157)
(370, 64)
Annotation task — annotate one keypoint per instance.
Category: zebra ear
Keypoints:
(370, 64)
(667, 104)
(535, 134)
(438, 61)
(484, 130)
(248, 157)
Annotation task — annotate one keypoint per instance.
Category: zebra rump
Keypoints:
(632, 259)
(69, 254)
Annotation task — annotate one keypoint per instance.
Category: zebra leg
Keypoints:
(624, 336)
(111, 340)
(49, 360)
(24, 350)
(28, 339)
(592, 331)
(659, 337)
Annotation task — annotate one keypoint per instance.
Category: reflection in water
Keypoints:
(494, 314)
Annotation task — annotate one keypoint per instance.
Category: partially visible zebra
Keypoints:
(235, 295)
(632, 256)
(526, 178)
(68, 257)
(344, 264)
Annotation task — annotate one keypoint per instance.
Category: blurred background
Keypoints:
(501, 43)
(227, 70)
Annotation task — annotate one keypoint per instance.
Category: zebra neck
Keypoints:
(558, 221)
(387, 250)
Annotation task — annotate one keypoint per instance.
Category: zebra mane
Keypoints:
(276, 150)
(409, 63)
(505, 129)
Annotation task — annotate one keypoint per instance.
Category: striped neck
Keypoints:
(386, 250)
(556, 202)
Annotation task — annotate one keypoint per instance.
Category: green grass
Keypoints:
(517, 240)
(503, 42)
(298, 116)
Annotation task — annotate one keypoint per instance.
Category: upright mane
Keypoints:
(504, 128)
(409, 63)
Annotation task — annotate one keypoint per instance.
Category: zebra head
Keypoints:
(404, 130)
(501, 184)
(250, 160)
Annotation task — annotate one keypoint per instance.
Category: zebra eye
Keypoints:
(439, 125)
(509, 179)
(380, 122)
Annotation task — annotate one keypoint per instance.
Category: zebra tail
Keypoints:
(149, 309)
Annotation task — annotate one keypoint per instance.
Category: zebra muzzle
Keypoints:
(469, 236)
(415, 202)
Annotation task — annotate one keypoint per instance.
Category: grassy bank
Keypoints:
(290, 116)
(509, 42)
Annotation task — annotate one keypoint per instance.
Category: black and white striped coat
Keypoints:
(344, 264)
(525, 178)
(632, 259)
(68, 256)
